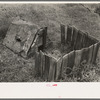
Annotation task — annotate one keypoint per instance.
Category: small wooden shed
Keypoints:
(23, 36)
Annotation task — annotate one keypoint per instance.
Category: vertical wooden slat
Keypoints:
(41, 63)
(90, 54)
(59, 66)
(78, 44)
(81, 40)
(69, 33)
(78, 55)
(52, 70)
(65, 34)
(71, 58)
(85, 53)
(64, 65)
(62, 34)
(74, 37)
(44, 37)
(95, 51)
(47, 66)
(43, 68)
(85, 40)
(37, 64)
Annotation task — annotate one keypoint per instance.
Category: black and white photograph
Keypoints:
(50, 42)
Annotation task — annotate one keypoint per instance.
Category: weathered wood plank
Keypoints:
(41, 63)
(37, 64)
(43, 68)
(47, 66)
(44, 37)
(85, 40)
(64, 65)
(78, 55)
(52, 70)
(71, 58)
(74, 37)
(69, 33)
(62, 34)
(58, 71)
(85, 55)
(90, 54)
(95, 52)
(78, 44)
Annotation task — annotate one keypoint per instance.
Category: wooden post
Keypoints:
(69, 33)
(44, 37)
(62, 37)
(62, 34)
(74, 37)
(78, 44)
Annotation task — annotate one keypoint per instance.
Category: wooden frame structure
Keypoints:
(85, 49)
(23, 37)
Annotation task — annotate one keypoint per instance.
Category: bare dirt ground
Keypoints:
(13, 68)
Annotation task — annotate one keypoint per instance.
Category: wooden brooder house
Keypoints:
(22, 37)
(84, 48)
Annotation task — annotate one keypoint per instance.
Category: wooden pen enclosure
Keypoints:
(84, 49)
